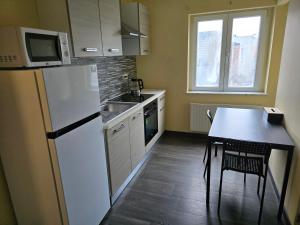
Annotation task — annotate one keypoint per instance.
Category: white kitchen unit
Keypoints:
(52, 147)
(118, 144)
(137, 142)
(161, 114)
(94, 26)
(125, 142)
(135, 29)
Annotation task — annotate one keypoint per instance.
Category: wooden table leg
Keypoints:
(208, 172)
(285, 182)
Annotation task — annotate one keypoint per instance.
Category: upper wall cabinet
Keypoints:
(85, 28)
(94, 26)
(135, 29)
(111, 27)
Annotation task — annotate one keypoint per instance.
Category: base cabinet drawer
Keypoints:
(119, 154)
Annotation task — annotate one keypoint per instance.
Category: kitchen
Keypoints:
(96, 87)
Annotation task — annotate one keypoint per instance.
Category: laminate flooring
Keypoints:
(170, 190)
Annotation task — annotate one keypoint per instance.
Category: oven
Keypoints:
(150, 121)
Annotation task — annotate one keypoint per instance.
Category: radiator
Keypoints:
(198, 118)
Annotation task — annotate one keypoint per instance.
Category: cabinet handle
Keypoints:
(90, 49)
(134, 117)
(119, 129)
(114, 50)
(143, 36)
(133, 34)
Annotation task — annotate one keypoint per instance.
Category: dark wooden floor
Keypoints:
(170, 190)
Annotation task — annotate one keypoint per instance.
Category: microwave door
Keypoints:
(43, 48)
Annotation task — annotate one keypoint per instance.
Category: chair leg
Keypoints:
(205, 170)
(220, 191)
(205, 153)
(216, 150)
(263, 195)
(245, 177)
(258, 185)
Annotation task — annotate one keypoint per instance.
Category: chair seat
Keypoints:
(217, 143)
(243, 164)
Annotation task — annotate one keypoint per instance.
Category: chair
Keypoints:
(216, 144)
(247, 158)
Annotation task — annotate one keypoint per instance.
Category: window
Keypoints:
(227, 52)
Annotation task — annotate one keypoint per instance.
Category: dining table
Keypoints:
(250, 125)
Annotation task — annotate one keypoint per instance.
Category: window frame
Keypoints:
(228, 17)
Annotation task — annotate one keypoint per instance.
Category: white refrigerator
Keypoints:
(53, 151)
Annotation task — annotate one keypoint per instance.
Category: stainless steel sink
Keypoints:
(112, 109)
(116, 107)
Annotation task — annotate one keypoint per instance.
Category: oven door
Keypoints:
(150, 121)
(42, 49)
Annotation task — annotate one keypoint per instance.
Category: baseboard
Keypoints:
(187, 134)
(285, 217)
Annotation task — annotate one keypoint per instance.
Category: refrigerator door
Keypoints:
(72, 94)
(82, 162)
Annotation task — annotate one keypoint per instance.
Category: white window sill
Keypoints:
(226, 93)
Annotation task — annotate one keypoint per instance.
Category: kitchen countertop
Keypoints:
(119, 118)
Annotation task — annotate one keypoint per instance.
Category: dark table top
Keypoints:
(248, 125)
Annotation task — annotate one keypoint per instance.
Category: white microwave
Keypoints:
(28, 47)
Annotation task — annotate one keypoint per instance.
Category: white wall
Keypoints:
(288, 100)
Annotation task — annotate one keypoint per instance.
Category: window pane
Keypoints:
(244, 51)
(209, 41)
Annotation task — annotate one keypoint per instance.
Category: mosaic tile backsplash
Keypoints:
(110, 72)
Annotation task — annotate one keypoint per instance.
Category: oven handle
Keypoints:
(147, 114)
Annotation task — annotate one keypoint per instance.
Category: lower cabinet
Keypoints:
(137, 138)
(126, 148)
(119, 154)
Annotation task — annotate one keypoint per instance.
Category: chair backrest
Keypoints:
(209, 116)
(247, 147)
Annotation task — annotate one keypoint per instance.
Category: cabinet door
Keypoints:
(111, 27)
(82, 163)
(85, 27)
(144, 46)
(161, 114)
(144, 30)
(143, 19)
(137, 138)
(119, 154)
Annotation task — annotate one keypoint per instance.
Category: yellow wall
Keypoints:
(21, 13)
(6, 212)
(166, 66)
(287, 99)
(18, 12)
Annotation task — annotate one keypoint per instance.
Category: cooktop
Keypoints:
(131, 98)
